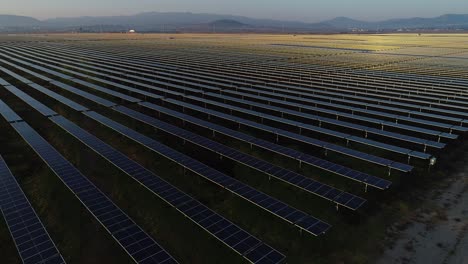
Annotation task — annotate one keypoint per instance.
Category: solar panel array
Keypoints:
(298, 218)
(29, 234)
(230, 234)
(288, 152)
(138, 244)
(281, 101)
(266, 202)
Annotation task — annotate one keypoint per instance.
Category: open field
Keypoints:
(210, 148)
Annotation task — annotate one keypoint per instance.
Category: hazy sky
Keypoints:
(304, 10)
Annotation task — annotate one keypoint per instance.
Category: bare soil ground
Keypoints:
(437, 231)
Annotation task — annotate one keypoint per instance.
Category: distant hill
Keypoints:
(345, 22)
(449, 21)
(180, 22)
(18, 21)
(227, 23)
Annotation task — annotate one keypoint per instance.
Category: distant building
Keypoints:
(131, 31)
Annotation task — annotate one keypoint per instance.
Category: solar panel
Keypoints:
(215, 176)
(435, 124)
(458, 121)
(213, 223)
(34, 74)
(32, 241)
(8, 114)
(107, 91)
(59, 98)
(3, 82)
(31, 101)
(422, 130)
(411, 153)
(124, 87)
(89, 96)
(14, 75)
(139, 245)
(43, 78)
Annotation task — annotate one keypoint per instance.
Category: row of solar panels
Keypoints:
(384, 182)
(165, 93)
(364, 81)
(318, 76)
(323, 189)
(396, 117)
(60, 98)
(139, 245)
(31, 239)
(350, 80)
(347, 64)
(387, 108)
(346, 124)
(297, 69)
(315, 142)
(416, 154)
(240, 241)
(351, 138)
(219, 52)
(349, 83)
(288, 176)
(340, 170)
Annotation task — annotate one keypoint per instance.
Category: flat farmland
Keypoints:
(234, 148)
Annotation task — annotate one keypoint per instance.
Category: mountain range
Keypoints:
(189, 22)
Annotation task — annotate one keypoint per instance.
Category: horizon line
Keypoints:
(237, 15)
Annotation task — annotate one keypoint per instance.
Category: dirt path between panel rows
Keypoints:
(438, 232)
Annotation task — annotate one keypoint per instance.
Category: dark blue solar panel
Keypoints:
(401, 167)
(49, 93)
(107, 91)
(191, 164)
(31, 101)
(8, 114)
(29, 72)
(59, 98)
(14, 75)
(214, 225)
(84, 94)
(30, 236)
(3, 82)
